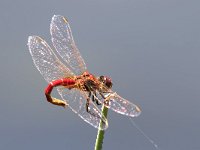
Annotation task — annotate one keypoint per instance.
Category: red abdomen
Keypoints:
(63, 82)
(67, 82)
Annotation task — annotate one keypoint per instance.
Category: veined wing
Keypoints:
(77, 102)
(45, 60)
(64, 44)
(119, 104)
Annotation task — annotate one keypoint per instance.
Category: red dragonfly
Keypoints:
(64, 68)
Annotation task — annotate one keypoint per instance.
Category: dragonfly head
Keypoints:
(106, 81)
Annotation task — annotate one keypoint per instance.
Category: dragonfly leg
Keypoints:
(96, 99)
(106, 102)
(87, 105)
(88, 102)
(93, 98)
(88, 110)
(107, 98)
(90, 86)
(102, 95)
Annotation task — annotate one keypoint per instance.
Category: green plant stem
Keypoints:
(100, 134)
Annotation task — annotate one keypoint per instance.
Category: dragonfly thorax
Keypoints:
(90, 85)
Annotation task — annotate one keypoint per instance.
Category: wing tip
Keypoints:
(30, 41)
(59, 17)
(34, 37)
(137, 112)
(30, 38)
(55, 17)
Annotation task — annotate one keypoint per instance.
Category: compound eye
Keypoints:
(108, 82)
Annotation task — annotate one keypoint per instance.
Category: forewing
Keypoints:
(64, 44)
(77, 102)
(45, 60)
(120, 105)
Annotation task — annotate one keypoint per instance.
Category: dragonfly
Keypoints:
(63, 68)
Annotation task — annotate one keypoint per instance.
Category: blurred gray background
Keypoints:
(150, 48)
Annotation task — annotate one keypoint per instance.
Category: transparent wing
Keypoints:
(120, 105)
(45, 60)
(64, 44)
(77, 102)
